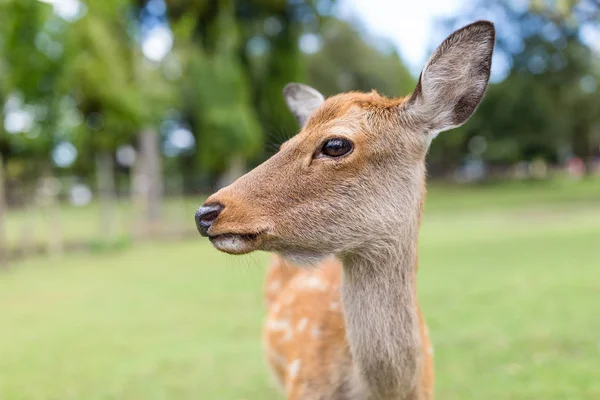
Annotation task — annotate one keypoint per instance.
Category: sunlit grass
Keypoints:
(508, 282)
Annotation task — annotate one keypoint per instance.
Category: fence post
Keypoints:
(137, 196)
(105, 179)
(51, 187)
(29, 239)
(151, 170)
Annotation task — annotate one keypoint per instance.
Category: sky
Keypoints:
(411, 26)
(408, 24)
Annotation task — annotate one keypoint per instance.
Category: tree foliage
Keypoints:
(85, 80)
(548, 105)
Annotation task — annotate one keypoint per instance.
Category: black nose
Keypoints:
(206, 215)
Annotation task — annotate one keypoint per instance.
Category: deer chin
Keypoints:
(303, 258)
(237, 243)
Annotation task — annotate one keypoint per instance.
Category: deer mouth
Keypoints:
(236, 243)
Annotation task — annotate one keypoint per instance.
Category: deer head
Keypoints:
(354, 175)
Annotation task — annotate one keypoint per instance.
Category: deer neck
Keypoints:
(381, 311)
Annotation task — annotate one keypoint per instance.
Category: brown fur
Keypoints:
(315, 309)
(343, 317)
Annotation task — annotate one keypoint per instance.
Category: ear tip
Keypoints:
(300, 90)
(291, 88)
(483, 26)
(295, 88)
(484, 22)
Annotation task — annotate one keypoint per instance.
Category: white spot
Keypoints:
(80, 195)
(18, 121)
(126, 155)
(64, 154)
(315, 332)
(274, 285)
(310, 43)
(278, 325)
(312, 282)
(334, 306)
(302, 324)
(69, 10)
(294, 368)
(157, 43)
(179, 140)
(430, 350)
(281, 326)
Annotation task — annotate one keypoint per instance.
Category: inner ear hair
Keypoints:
(454, 79)
(302, 100)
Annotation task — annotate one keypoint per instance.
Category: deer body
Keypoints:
(305, 335)
(341, 205)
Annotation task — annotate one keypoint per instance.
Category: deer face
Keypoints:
(355, 172)
(327, 187)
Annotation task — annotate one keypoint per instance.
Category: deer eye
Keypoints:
(336, 147)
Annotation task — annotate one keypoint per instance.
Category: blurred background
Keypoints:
(119, 116)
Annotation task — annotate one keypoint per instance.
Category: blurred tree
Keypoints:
(217, 103)
(31, 66)
(3, 244)
(236, 57)
(547, 105)
(271, 50)
(119, 93)
(347, 61)
(88, 84)
(240, 54)
(216, 93)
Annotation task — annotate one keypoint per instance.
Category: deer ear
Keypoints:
(302, 100)
(454, 79)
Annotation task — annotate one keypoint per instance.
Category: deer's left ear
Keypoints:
(454, 79)
(302, 100)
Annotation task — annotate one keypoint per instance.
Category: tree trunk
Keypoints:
(236, 168)
(180, 222)
(138, 195)
(51, 207)
(29, 238)
(3, 210)
(105, 181)
(151, 173)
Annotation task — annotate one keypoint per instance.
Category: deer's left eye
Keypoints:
(336, 147)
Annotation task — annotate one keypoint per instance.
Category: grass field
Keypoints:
(509, 282)
(36, 225)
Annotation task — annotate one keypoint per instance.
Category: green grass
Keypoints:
(37, 225)
(509, 282)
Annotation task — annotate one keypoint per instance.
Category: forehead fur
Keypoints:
(337, 106)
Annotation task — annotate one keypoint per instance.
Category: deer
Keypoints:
(340, 206)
